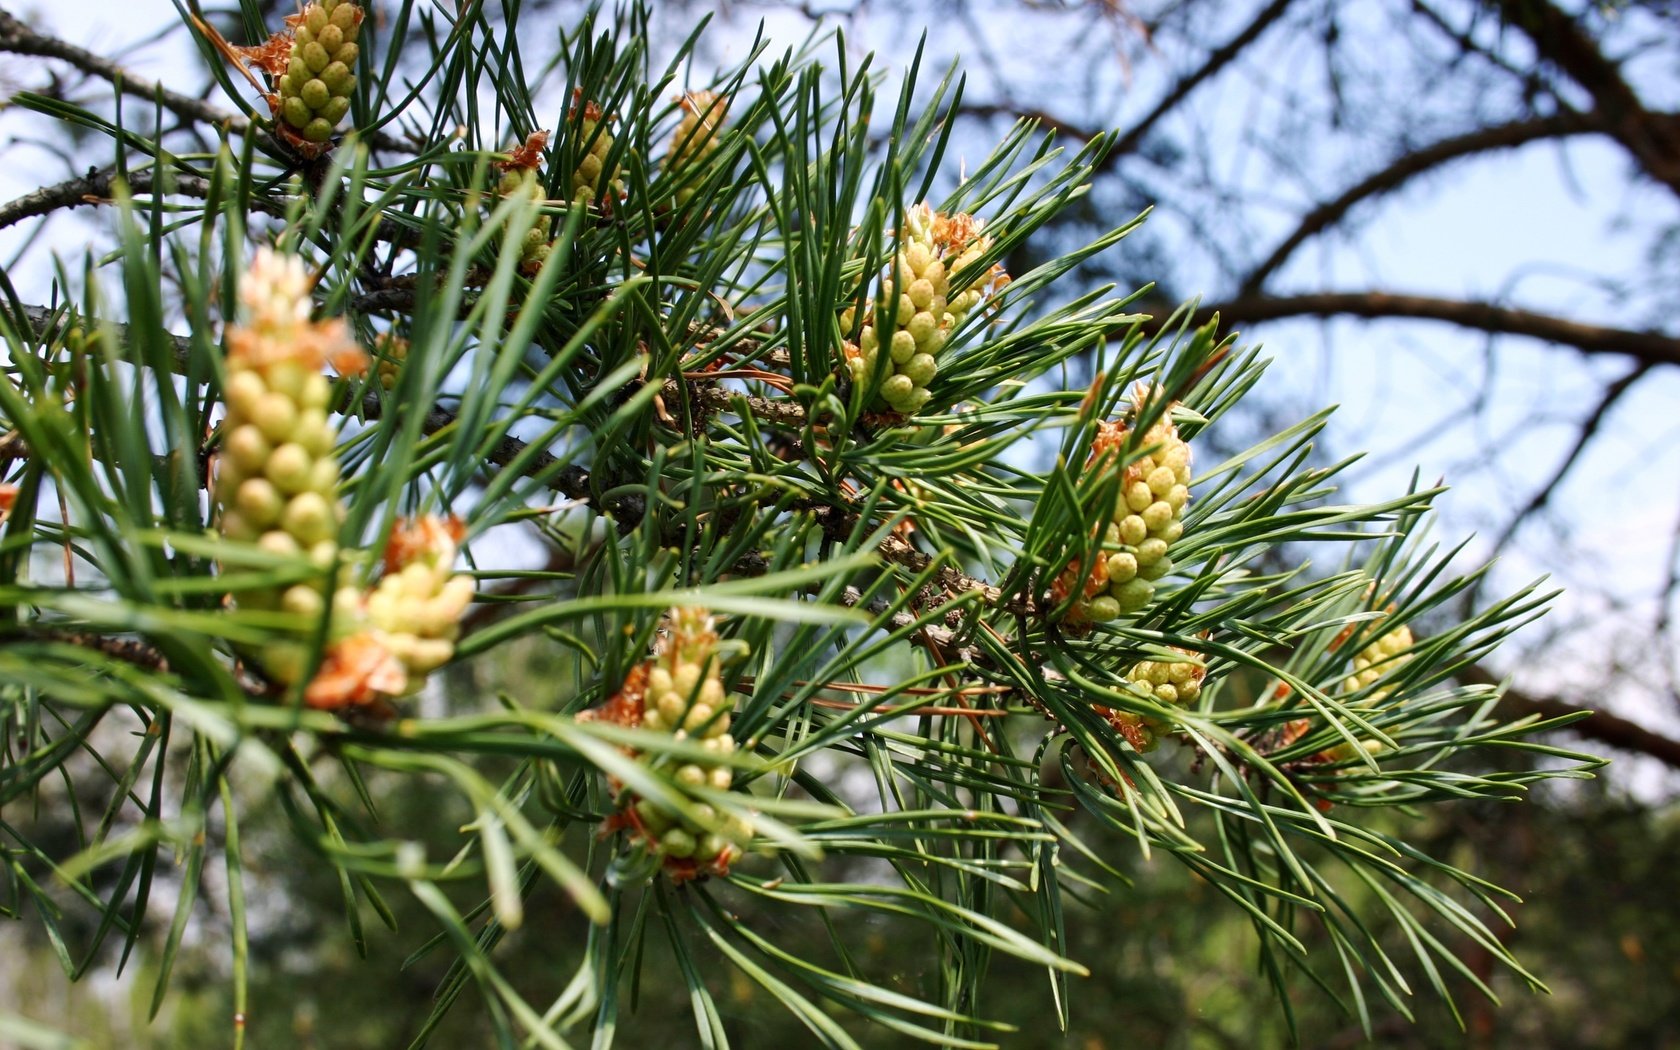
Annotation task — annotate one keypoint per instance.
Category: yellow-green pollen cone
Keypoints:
(1383, 656)
(684, 696)
(695, 139)
(390, 351)
(276, 485)
(1174, 683)
(388, 638)
(538, 240)
(314, 91)
(415, 609)
(519, 179)
(1148, 518)
(920, 307)
(592, 181)
(276, 475)
(1379, 658)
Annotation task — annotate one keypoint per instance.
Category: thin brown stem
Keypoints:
(1599, 726)
(100, 187)
(1409, 166)
(1217, 59)
(20, 39)
(1650, 347)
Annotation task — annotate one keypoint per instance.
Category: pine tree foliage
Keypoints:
(817, 657)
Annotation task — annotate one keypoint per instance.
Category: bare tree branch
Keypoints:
(18, 38)
(1042, 118)
(1589, 428)
(22, 40)
(1410, 165)
(1469, 45)
(1648, 347)
(1217, 59)
(1599, 726)
(99, 187)
(1653, 138)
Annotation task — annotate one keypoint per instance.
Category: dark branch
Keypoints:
(1038, 116)
(19, 39)
(1468, 44)
(99, 187)
(1653, 138)
(1648, 347)
(764, 409)
(1217, 59)
(1599, 726)
(136, 651)
(1589, 428)
(1410, 165)
(22, 40)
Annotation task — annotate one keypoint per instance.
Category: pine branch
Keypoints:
(791, 549)
(399, 294)
(136, 651)
(1653, 138)
(18, 38)
(786, 414)
(99, 186)
(1217, 59)
(1408, 166)
(1649, 347)
(1599, 726)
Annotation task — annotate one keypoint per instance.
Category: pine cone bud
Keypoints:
(276, 478)
(415, 610)
(519, 179)
(313, 94)
(390, 350)
(684, 695)
(1176, 683)
(1148, 517)
(537, 242)
(695, 139)
(592, 181)
(1379, 659)
(923, 305)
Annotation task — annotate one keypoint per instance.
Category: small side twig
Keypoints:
(99, 186)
